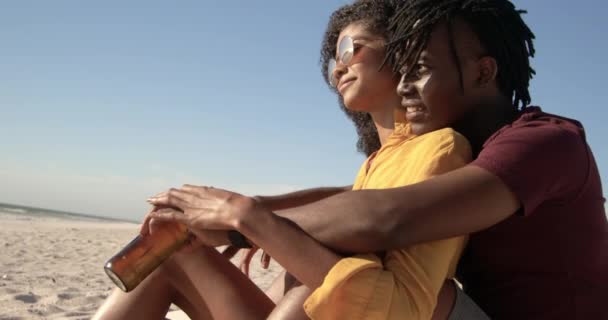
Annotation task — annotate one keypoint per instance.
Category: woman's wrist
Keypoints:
(257, 224)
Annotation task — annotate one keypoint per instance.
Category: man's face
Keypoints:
(432, 94)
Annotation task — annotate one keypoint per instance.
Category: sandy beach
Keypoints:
(52, 268)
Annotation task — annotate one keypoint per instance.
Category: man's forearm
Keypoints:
(299, 198)
(460, 202)
(353, 221)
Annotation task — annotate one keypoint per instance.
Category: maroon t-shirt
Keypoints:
(549, 260)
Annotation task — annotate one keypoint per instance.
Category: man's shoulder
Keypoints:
(533, 125)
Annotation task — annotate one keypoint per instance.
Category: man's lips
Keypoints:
(411, 103)
(414, 109)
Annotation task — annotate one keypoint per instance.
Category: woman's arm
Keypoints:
(299, 198)
(205, 209)
(302, 256)
(459, 202)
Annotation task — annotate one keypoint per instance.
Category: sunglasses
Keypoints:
(346, 52)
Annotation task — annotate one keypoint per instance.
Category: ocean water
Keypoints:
(32, 212)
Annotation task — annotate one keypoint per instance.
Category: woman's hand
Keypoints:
(206, 208)
(210, 238)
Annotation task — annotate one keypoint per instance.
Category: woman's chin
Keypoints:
(356, 104)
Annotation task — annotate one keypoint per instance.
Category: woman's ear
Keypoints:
(487, 71)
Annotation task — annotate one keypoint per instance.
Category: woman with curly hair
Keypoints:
(398, 284)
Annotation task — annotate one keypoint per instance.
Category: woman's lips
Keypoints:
(345, 84)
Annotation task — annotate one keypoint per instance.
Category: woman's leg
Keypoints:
(150, 300)
(202, 283)
(289, 295)
(281, 285)
(290, 307)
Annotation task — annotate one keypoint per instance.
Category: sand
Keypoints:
(52, 268)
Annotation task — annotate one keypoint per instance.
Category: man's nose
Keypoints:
(404, 88)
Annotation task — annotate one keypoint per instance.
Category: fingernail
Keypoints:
(151, 200)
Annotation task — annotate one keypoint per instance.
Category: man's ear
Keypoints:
(487, 69)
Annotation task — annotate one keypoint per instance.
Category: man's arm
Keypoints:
(299, 198)
(460, 202)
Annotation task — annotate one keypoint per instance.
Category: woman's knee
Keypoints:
(291, 306)
(172, 271)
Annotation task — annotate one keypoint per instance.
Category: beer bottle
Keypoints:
(144, 254)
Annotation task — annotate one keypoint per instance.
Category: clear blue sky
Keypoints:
(105, 103)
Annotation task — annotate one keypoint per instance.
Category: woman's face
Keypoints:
(361, 84)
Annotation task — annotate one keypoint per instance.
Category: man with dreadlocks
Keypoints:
(532, 200)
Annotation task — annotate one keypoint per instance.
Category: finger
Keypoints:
(158, 194)
(265, 260)
(192, 188)
(143, 230)
(145, 226)
(230, 252)
(246, 261)
(155, 224)
(203, 191)
(242, 262)
(170, 215)
(174, 198)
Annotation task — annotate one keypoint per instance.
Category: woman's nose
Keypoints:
(339, 71)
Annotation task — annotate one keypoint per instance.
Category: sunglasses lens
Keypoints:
(345, 50)
(331, 66)
(346, 57)
(345, 54)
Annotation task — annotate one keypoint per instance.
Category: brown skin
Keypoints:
(213, 209)
(460, 202)
(431, 92)
(373, 220)
(422, 90)
(362, 86)
(208, 212)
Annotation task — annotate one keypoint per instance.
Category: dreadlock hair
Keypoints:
(497, 24)
(374, 15)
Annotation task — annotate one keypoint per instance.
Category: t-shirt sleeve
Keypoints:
(356, 287)
(538, 163)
